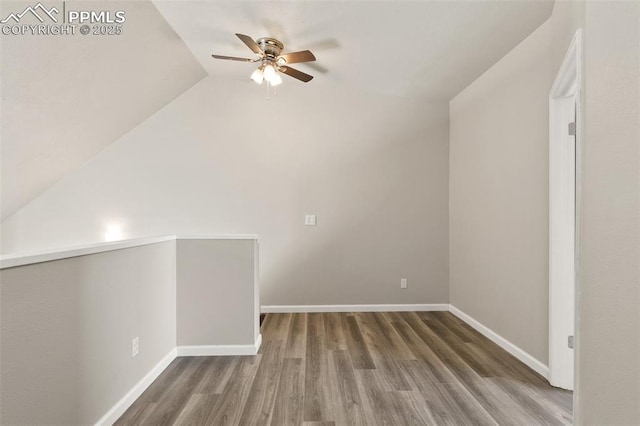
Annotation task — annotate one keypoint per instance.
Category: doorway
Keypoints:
(564, 170)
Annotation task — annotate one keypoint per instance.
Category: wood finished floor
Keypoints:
(409, 368)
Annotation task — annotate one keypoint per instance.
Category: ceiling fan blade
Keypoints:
(296, 57)
(233, 58)
(251, 43)
(291, 72)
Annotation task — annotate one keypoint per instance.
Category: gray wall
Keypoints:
(375, 171)
(498, 230)
(67, 327)
(222, 159)
(67, 324)
(499, 196)
(608, 389)
(215, 292)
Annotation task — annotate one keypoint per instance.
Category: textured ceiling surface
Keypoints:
(66, 98)
(426, 48)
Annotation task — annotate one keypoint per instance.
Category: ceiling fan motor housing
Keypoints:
(271, 60)
(271, 47)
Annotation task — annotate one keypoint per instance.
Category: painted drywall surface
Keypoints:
(67, 328)
(223, 159)
(65, 98)
(455, 41)
(609, 295)
(499, 196)
(215, 292)
(566, 19)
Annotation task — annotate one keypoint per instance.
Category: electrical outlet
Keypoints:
(403, 283)
(135, 346)
(310, 219)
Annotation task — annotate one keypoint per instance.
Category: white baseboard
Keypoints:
(220, 350)
(121, 406)
(273, 309)
(514, 350)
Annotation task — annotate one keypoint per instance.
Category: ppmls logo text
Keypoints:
(60, 20)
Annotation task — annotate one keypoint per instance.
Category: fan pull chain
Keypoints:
(271, 89)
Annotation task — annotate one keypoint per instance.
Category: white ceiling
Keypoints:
(66, 98)
(425, 48)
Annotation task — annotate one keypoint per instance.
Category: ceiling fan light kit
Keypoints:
(275, 79)
(272, 62)
(269, 72)
(258, 76)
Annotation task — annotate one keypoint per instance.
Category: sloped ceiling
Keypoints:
(66, 98)
(407, 48)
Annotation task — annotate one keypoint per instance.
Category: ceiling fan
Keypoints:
(272, 62)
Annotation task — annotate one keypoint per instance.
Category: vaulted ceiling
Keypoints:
(408, 48)
(65, 99)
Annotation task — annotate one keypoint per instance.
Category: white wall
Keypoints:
(499, 196)
(373, 168)
(608, 389)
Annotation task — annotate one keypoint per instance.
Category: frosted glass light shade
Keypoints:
(257, 76)
(269, 72)
(276, 79)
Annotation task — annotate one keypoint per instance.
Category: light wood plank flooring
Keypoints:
(409, 368)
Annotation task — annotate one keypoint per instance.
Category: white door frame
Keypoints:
(564, 207)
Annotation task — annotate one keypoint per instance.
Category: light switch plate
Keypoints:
(135, 347)
(310, 219)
